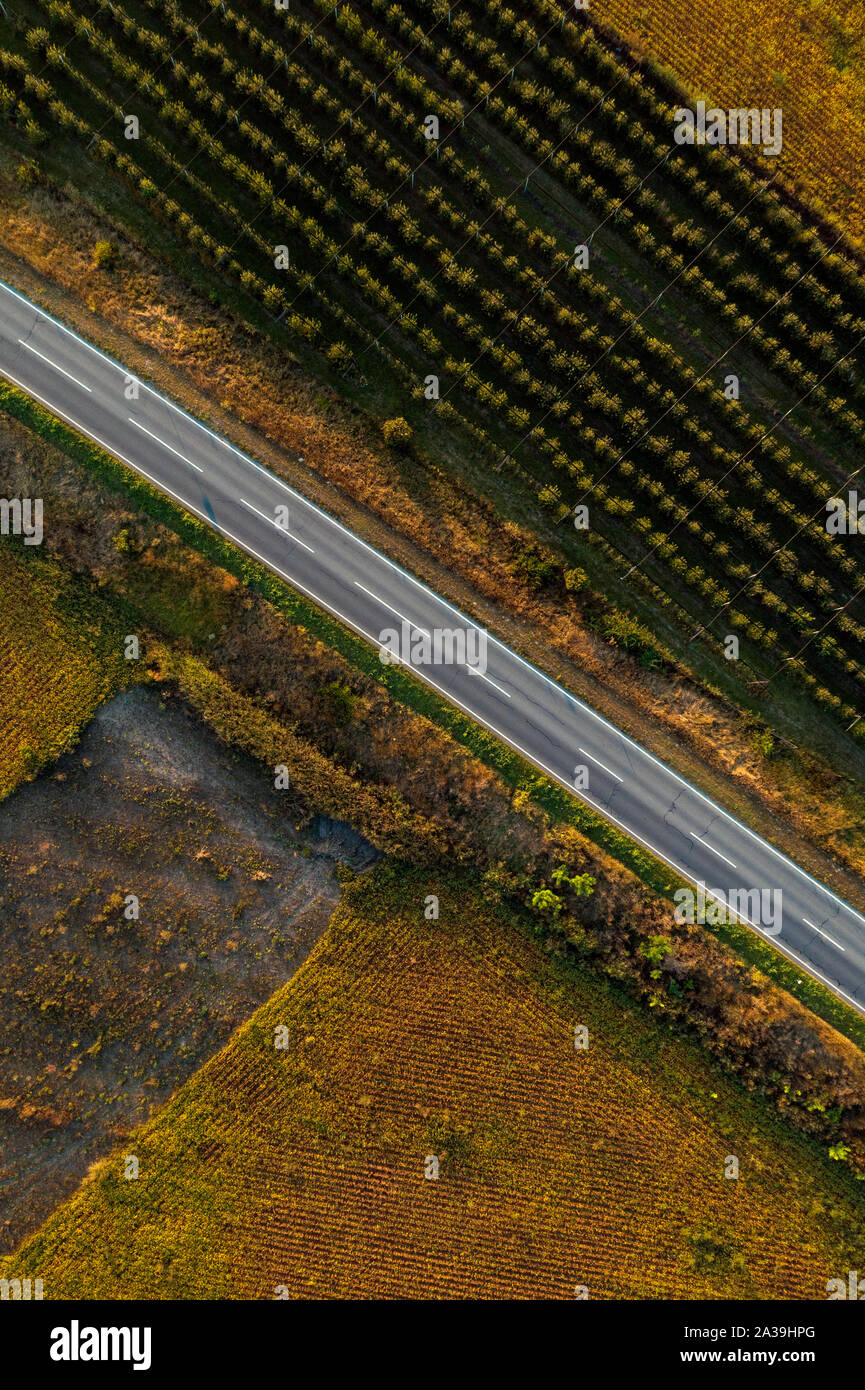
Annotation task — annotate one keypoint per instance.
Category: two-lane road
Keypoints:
(324, 560)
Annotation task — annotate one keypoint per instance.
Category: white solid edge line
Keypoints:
(606, 815)
(554, 685)
(55, 365)
(820, 932)
(593, 759)
(289, 535)
(169, 447)
(694, 836)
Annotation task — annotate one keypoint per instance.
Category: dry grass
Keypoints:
(442, 532)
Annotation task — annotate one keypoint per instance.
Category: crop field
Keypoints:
(290, 150)
(299, 1170)
(598, 389)
(803, 56)
(57, 664)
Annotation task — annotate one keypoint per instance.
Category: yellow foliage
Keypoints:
(56, 667)
(300, 1170)
(805, 57)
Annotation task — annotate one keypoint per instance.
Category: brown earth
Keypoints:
(104, 1017)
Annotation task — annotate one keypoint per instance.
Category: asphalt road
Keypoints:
(322, 559)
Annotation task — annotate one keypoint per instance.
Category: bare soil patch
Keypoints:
(104, 1015)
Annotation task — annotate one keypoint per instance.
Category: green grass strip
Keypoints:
(514, 770)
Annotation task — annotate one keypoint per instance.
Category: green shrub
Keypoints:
(621, 630)
(540, 570)
(34, 132)
(575, 580)
(341, 702)
(656, 949)
(28, 173)
(105, 255)
(397, 432)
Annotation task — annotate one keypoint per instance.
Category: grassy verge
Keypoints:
(514, 770)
